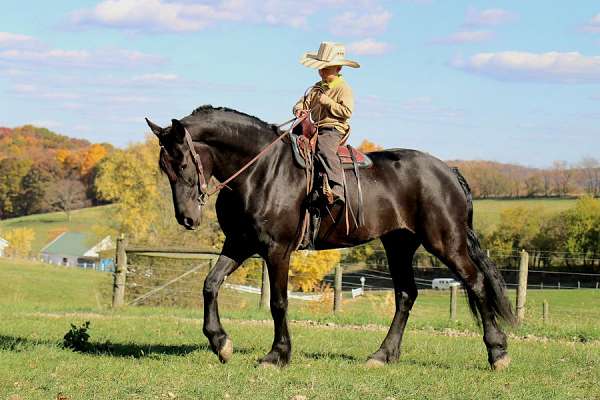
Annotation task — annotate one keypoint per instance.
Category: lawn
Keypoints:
(487, 212)
(160, 353)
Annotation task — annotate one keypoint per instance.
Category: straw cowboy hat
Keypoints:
(330, 54)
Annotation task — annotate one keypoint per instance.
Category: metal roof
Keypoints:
(70, 244)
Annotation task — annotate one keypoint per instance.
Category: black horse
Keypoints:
(410, 199)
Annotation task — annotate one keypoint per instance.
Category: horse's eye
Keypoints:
(183, 166)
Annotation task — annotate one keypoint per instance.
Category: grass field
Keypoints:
(159, 353)
(487, 212)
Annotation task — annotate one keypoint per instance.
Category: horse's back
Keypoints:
(402, 186)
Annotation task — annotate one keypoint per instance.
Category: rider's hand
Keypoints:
(301, 113)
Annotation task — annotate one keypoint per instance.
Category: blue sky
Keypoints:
(511, 81)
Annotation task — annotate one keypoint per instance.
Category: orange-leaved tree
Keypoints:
(307, 268)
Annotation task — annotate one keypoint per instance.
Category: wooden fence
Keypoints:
(123, 252)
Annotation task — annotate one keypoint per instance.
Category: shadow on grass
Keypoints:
(17, 344)
(329, 356)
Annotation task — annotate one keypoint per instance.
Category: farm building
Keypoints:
(3, 245)
(77, 249)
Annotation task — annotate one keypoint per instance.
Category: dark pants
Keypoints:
(327, 144)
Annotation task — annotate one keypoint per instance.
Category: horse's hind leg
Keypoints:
(278, 262)
(400, 247)
(461, 253)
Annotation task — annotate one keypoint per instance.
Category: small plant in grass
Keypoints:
(77, 338)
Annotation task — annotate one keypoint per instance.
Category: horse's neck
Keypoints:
(233, 145)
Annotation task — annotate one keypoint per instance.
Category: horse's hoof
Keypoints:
(226, 351)
(374, 363)
(501, 363)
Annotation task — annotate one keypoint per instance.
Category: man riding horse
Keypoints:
(330, 104)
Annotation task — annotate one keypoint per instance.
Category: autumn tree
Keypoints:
(307, 268)
(67, 195)
(591, 176)
(367, 146)
(19, 242)
(12, 171)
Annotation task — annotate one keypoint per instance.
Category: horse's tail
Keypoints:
(493, 280)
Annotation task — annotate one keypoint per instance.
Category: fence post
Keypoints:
(596, 285)
(453, 296)
(545, 312)
(120, 274)
(337, 298)
(265, 290)
(578, 285)
(522, 289)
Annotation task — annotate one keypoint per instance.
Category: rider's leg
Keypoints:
(327, 145)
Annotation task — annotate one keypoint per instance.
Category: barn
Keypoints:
(3, 245)
(77, 249)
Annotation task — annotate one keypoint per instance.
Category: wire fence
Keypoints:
(175, 279)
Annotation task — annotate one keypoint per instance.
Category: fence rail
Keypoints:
(144, 282)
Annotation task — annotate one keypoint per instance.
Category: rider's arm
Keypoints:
(341, 107)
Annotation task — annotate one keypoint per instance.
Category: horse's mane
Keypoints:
(208, 109)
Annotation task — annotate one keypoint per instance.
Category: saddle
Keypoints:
(303, 140)
(300, 145)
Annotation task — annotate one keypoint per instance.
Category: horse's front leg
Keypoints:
(278, 263)
(229, 260)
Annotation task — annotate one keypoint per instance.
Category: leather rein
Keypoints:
(203, 191)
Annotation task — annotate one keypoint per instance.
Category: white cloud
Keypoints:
(463, 37)
(488, 17)
(554, 67)
(190, 16)
(153, 14)
(13, 40)
(593, 26)
(155, 78)
(106, 58)
(351, 23)
(369, 47)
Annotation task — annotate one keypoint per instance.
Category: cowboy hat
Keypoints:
(330, 54)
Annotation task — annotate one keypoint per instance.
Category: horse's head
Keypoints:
(177, 162)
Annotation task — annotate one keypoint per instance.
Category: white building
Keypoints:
(75, 249)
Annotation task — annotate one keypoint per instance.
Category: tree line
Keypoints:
(489, 179)
(42, 171)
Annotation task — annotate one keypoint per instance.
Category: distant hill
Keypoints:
(35, 142)
(42, 171)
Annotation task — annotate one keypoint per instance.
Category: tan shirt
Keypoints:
(332, 110)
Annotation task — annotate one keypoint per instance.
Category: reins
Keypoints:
(202, 184)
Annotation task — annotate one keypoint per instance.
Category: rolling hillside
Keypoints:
(95, 221)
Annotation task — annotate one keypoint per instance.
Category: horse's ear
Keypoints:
(157, 130)
(177, 130)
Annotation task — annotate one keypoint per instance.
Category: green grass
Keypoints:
(93, 220)
(487, 212)
(160, 353)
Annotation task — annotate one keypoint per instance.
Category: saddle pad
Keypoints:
(362, 160)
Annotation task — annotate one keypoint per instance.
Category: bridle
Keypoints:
(203, 192)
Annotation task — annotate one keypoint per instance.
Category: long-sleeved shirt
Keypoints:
(331, 110)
